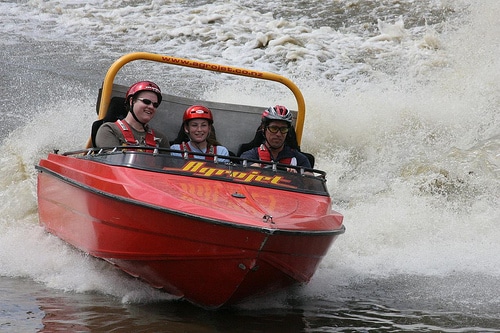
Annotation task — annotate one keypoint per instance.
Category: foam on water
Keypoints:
(26, 250)
(419, 163)
(403, 119)
(256, 34)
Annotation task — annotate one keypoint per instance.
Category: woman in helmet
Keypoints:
(276, 123)
(197, 134)
(141, 101)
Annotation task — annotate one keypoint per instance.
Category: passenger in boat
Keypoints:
(276, 123)
(141, 100)
(197, 134)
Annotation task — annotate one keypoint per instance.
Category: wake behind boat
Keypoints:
(214, 232)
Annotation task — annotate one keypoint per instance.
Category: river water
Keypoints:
(402, 105)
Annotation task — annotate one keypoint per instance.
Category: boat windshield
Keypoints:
(216, 167)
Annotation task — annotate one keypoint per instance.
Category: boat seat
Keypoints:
(116, 110)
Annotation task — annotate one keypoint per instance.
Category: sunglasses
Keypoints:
(275, 129)
(149, 102)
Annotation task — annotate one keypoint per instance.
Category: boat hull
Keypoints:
(208, 259)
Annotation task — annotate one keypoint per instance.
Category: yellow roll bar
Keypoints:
(107, 87)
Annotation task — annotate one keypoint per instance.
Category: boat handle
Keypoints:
(267, 219)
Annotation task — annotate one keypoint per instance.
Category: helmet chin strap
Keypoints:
(135, 117)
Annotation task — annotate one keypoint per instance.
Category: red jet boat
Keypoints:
(211, 232)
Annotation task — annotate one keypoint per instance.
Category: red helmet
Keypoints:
(278, 112)
(143, 86)
(198, 112)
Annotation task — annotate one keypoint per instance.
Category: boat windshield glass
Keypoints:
(232, 169)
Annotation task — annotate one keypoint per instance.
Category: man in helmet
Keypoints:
(275, 126)
(141, 100)
(197, 134)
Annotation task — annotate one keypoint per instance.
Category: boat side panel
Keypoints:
(106, 227)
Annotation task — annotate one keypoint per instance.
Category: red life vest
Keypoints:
(265, 155)
(210, 150)
(129, 135)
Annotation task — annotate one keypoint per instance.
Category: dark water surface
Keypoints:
(31, 307)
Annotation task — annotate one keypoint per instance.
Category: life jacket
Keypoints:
(129, 135)
(265, 155)
(210, 150)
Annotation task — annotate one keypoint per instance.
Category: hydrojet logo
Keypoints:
(254, 176)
